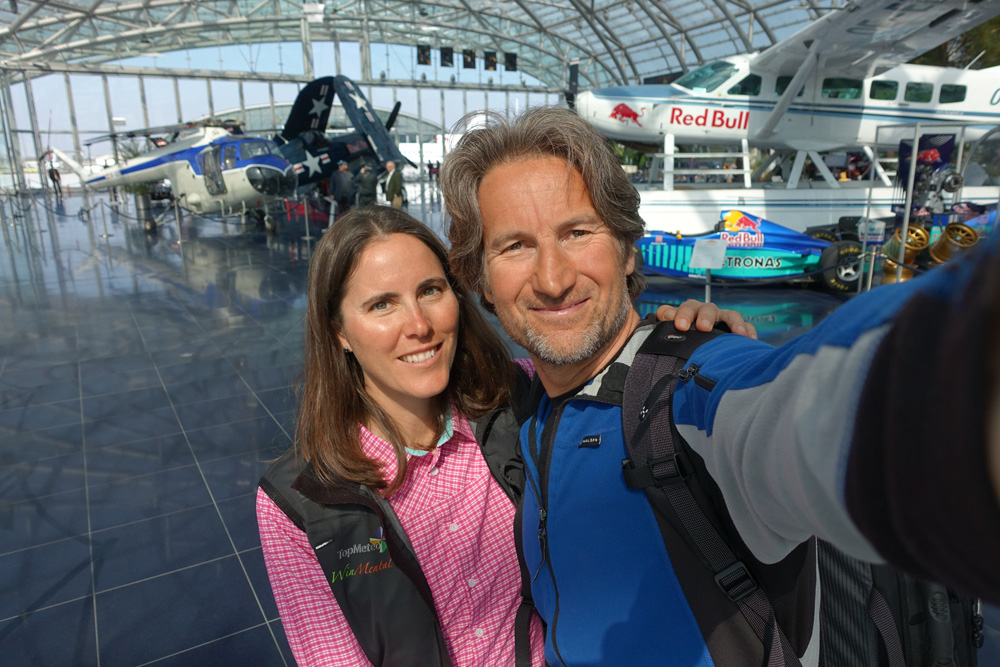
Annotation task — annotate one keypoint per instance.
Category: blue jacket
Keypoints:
(796, 438)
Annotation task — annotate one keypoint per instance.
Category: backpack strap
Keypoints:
(881, 615)
(498, 434)
(659, 464)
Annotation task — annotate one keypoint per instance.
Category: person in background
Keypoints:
(344, 188)
(393, 185)
(366, 185)
(56, 180)
(393, 487)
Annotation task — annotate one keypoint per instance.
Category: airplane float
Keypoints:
(313, 154)
(828, 86)
(210, 169)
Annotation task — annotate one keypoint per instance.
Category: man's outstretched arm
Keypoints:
(876, 430)
(922, 477)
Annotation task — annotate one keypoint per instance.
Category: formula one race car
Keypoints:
(760, 249)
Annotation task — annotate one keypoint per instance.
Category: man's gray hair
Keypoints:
(539, 132)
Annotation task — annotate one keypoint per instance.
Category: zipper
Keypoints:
(542, 541)
(541, 496)
(691, 371)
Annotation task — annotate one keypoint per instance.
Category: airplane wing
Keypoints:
(868, 37)
(365, 121)
(311, 110)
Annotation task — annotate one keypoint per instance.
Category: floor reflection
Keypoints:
(145, 382)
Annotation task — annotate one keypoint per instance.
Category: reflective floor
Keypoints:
(145, 381)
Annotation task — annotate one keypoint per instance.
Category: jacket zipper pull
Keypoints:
(686, 374)
(542, 536)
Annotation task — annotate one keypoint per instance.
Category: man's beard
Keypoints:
(598, 333)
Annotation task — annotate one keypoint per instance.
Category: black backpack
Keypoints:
(879, 616)
(870, 615)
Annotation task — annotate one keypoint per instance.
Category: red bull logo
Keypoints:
(625, 113)
(929, 156)
(741, 231)
(736, 221)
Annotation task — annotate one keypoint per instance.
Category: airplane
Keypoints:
(211, 168)
(826, 87)
(313, 154)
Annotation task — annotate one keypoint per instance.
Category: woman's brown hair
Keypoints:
(331, 390)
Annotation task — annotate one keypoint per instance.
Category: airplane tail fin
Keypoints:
(363, 117)
(72, 164)
(311, 110)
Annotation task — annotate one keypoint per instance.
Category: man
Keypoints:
(543, 225)
(344, 184)
(366, 184)
(393, 185)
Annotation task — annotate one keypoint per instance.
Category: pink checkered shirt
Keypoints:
(460, 523)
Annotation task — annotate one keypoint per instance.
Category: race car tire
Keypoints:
(823, 235)
(841, 264)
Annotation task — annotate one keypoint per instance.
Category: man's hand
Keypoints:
(705, 315)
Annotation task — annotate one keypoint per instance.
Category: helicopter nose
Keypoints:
(270, 181)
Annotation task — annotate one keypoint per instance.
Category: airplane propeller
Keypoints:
(392, 116)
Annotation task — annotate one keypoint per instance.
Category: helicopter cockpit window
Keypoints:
(208, 160)
(229, 157)
(251, 149)
(708, 78)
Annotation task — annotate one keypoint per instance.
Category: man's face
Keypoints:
(554, 271)
(390, 166)
(342, 167)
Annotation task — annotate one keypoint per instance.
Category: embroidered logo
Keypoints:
(591, 441)
(379, 540)
(376, 543)
(371, 567)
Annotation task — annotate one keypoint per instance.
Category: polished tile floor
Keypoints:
(145, 381)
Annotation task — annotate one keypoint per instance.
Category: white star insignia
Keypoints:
(319, 106)
(312, 163)
(359, 100)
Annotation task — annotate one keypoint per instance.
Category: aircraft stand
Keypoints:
(105, 221)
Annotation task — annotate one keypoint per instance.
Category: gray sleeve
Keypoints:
(778, 451)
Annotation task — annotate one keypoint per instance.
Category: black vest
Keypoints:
(366, 556)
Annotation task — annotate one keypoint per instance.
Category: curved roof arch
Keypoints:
(616, 42)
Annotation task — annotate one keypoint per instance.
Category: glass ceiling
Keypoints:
(617, 42)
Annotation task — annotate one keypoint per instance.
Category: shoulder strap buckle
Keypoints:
(657, 472)
(736, 581)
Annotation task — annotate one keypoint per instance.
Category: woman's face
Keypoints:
(399, 318)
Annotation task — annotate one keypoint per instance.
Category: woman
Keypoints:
(388, 529)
